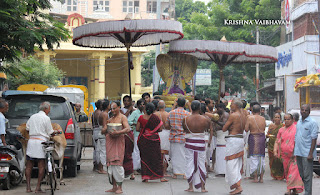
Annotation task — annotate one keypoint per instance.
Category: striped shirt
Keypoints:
(175, 118)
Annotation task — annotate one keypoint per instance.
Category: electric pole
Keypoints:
(257, 69)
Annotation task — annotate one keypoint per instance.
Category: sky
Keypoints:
(206, 1)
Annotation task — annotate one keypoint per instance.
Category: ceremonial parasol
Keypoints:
(127, 33)
(224, 53)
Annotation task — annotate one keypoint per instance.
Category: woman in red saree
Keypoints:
(284, 147)
(149, 125)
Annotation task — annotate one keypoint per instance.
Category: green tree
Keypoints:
(35, 71)
(147, 68)
(184, 8)
(24, 27)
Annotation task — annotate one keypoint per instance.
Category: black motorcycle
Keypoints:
(12, 160)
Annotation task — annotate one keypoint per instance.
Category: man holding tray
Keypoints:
(115, 144)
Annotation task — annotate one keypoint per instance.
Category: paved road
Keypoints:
(89, 182)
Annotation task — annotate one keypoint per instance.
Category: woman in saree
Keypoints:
(276, 166)
(284, 147)
(149, 125)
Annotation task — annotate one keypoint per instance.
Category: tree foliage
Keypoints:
(210, 25)
(34, 71)
(147, 68)
(184, 8)
(24, 26)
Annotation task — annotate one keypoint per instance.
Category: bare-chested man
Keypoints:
(128, 107)
(164, 136)
(210, 141)
(96, 131)
(220, 152)
(195, 147)
(256, 125)
(115, 144)
(235, 145)
(101, 141)
(209, 105)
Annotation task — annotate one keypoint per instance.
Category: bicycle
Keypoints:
(51, 175)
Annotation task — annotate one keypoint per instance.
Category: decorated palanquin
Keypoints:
(176, 70)
(309, 88)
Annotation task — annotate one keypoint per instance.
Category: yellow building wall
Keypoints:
(115, 77)
(78, 63)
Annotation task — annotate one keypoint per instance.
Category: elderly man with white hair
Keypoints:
(235, 146)
(40, 130)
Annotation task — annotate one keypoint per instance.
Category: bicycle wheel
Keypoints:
(54, 176)
(51, 183)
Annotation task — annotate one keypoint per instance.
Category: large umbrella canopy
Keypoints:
(224, 53)
(123, 33)
(127, 33)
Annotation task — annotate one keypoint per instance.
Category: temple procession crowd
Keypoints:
(150, 139)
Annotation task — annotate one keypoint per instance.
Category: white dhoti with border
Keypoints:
(164, 140)
(220, 166)
(209, 150)
(234, 155)
(101, 154)
(195, 160)
(100, 146)
(177, 156)
(136, 155)
(35, 148)
(257, 165)
(117, 172)
(246, 158)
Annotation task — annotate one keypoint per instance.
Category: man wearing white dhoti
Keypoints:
(164, 136)
(235, 146)
(234, 154)
(100, 141)
(40, 130)
(132, 120)
(96, 132)
(177, 137)
(220, 165)
(256, 125)
(195, 147)
(208, 137)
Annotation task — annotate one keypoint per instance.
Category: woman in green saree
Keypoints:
(276, 165)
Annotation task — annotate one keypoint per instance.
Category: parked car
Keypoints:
(22, 106)
(315, 114)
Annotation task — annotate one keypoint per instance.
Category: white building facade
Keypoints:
(299, 57)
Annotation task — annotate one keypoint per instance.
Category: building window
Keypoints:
(130, 6)
(289, 37)
(101, 6)
(152, 6)
(72, 5)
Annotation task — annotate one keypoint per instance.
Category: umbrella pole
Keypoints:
(220, 82)
(129, 71)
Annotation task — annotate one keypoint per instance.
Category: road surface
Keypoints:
(89, 182)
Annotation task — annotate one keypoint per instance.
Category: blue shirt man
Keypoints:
(307, 131)
(305, 144)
